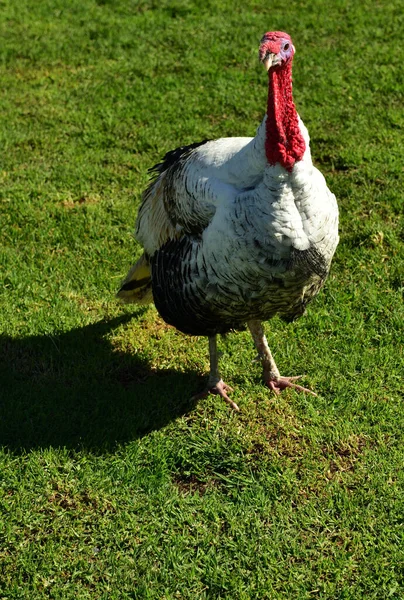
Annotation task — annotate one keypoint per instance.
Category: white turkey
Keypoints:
(237, 230)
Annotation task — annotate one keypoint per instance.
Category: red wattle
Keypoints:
(284, 142)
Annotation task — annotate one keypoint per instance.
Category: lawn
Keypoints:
(114, 485)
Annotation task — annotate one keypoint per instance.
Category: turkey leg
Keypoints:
(271, 375)
(216, 384)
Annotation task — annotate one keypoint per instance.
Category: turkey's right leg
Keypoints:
(216, 384)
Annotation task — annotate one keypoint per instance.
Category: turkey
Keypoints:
(237, 230)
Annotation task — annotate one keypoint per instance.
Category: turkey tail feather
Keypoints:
(136, 287)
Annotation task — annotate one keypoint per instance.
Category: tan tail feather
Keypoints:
(136, 287)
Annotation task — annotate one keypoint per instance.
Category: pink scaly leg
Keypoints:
(271, 375)
(216, 384)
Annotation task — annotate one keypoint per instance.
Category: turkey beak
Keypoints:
(268, 60)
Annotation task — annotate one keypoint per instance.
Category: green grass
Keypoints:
(113, 483)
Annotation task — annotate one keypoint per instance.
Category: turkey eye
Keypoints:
(286, 47)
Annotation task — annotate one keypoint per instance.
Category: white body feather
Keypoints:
(227, 183)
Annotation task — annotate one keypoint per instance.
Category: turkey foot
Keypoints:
(220, 388)
(281, 383)
(271, 374)
(216, 385)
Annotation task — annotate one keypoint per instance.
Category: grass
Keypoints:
(113, 484)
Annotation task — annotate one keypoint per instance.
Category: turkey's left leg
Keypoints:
(271, 375)
(216, 384)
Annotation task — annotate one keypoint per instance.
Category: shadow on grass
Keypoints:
(74, 390)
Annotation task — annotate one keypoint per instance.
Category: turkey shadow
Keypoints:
(74, 390)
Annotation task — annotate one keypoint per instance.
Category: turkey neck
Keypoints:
(284, 142)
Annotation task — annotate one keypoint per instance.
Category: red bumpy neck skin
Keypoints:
(284, 142)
